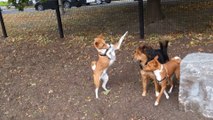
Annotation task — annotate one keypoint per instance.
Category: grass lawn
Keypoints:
(3, 3)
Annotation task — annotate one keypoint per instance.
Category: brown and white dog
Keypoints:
(146, 53)
(163, 73)
(106, 57)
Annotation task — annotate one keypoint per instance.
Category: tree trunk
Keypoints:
(61, 7)
(154, 12)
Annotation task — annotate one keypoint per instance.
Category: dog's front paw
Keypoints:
(156, 93)
(167, 97)
(156, 103)
(170, 90)
(144, 94)
(165, 93)
(106, 92)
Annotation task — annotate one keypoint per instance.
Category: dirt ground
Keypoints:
(54, 81)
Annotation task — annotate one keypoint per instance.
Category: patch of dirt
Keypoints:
(163, 27)
(55, 82)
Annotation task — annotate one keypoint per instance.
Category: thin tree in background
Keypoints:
(154, 12)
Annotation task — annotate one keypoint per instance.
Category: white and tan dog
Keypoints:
(106, 57)
(163, 73)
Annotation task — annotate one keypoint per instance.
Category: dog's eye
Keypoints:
(103, 45)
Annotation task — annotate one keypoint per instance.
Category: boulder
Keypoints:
(196, 84)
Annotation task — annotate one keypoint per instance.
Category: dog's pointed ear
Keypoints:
(137, 50)
(142, 48)
(96, 44)
(100, 36)
(156, 57)
(156, 63)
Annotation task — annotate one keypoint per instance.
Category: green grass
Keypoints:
(3, 3)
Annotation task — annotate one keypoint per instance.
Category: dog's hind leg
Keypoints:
(105, 79)
(171, 85)
(96, 92)
(166, 94)
(177, 73)
(97, 83)
(170, 90)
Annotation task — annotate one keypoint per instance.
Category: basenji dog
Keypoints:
(146, 53)
(106, 57)
(163, 73)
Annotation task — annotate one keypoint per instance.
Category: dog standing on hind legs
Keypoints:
(106, 57)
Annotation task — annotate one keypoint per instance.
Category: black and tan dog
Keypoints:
(144, 54)
(106, 57)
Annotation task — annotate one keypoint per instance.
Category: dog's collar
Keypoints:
(161, 69)
(147, 62)
(141, 66)
(158, 74)
(148, 59)
(159, 81)
(105, 53)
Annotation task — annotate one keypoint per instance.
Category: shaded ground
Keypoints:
(53, 81)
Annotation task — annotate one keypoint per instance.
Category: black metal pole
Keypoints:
(141, 18)
(2, 25)
(60, 28)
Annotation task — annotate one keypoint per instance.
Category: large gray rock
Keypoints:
(196, 84)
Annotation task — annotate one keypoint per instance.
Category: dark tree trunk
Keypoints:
(154, 12)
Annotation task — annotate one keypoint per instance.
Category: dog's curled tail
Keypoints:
(163, 47)
(93, 65)
(177, 59)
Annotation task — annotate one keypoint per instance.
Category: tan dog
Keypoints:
(146, 53)
(145, 75)
(163, 73)
(106, 57)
